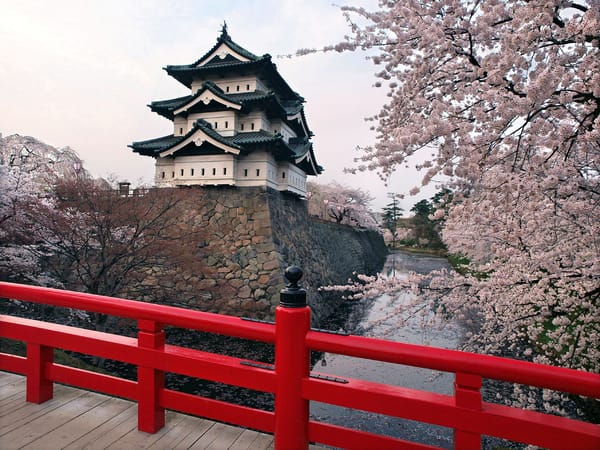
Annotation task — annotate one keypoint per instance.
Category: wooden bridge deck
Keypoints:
(77, 419)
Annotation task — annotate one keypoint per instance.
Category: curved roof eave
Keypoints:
(200, 96)
(198, 135)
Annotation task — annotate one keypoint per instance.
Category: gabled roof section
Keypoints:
(227, 57)
(223, 48)
(200, 133)
(225, 53)
(206, 94)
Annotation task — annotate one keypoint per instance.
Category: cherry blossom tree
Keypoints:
(17, 188)
(103, 242)
(500, 101)
(341, 204)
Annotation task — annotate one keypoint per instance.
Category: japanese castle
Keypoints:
(242, 125)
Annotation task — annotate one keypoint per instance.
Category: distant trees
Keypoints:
(425, 224)
(391, 214)
(341, 204)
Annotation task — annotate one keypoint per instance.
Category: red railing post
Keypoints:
(292, 322)
(151, 416)
(467, 395)
(39, 388)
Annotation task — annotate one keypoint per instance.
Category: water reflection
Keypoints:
(379, 318)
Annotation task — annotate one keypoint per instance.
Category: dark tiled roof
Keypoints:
(260, 65)
(255, 137)
(152, 147)
(300, 146)
(185, 73)
(166, 107)
(248, 96)
(292, 107)
(224, 38)
(268, 100)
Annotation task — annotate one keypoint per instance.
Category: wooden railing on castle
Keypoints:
(290, 379)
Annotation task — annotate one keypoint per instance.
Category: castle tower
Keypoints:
(241, 125)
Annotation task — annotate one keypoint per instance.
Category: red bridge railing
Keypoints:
(290, 378)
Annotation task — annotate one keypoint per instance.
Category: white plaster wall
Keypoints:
(163, 176)
(232, 85)
(226, 121)
(261, 161)
(257, 169)
(291, 178)
(282, 128)
(208, 169)
(180, 126)
(258, 118)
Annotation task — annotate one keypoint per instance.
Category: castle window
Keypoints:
(181, 172)
(162, 175)
(247, 87)
(173, 174)
(245, 172)
(257, 172)
(224, 170)
(242, 127)
(202, 172)
(214, 171)
(216, 124)
(237, 88)
(181, 131)
(252, 126)
(192, 172)
(283, 175)
(227, 89)
(226, 124)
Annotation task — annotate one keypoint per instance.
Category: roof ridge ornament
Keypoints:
(224, 33)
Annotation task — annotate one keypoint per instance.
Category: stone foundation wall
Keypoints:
(250, 236)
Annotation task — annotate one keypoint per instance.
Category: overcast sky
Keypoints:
(80, 73)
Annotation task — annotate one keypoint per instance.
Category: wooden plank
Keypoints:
(226, 437)
(45, 423)
(76, 419)
(252, 440)
(201, 427)
(136, 439)
(58, 391)
(178, 433)
(9, 404)
(108, 432)
(219, 436)
(28, 412)
(9, 378)
(81, 425)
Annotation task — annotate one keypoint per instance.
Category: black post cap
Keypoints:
(293, 296)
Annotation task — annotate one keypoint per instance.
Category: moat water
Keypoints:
(378, 318)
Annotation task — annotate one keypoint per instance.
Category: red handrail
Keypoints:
(290, 379)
